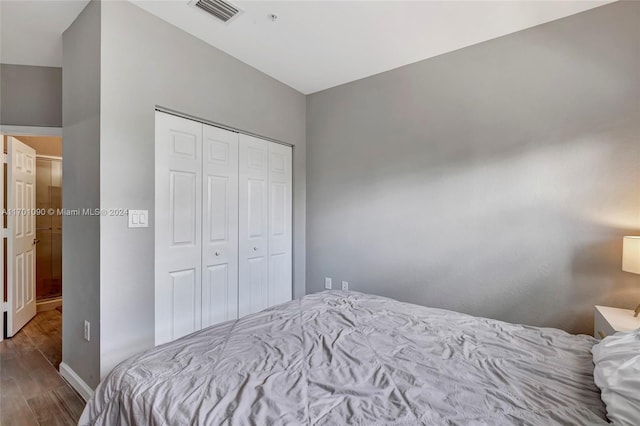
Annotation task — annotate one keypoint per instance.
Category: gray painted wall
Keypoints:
(81, 183)
(147, 62)
(496, 180)
(30, 95)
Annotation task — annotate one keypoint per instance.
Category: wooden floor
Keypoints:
(31, 390)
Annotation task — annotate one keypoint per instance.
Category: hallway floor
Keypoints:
(31, 390)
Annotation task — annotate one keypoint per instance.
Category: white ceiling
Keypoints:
(313, 45)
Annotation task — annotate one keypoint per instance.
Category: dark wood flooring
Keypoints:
(31, 390)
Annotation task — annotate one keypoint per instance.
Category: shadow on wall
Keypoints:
(497, 180)
(495, 237)
(594, 274)
(597, 275)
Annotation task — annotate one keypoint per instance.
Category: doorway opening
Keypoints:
(46, 218)
(48, 230)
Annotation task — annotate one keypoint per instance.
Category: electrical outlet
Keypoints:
(87, 330)
(327, 283)
(345, 286)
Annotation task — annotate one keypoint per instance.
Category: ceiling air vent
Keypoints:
(220, 9)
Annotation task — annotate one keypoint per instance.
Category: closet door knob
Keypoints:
(255, 249)
(217, 253)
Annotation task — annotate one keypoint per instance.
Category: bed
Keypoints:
(337, 358)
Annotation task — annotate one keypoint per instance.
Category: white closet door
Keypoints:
(219, 226)
(280, 223)
(178, 218)
(253, 233)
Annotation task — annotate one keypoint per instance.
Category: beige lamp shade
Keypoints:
(631, 254)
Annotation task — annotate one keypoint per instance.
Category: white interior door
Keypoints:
(219, 226)
(178, 227)
(280, 223)
(253, 233)
(21, 241)
(2, 245)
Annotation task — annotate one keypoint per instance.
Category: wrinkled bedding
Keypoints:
(338, 358)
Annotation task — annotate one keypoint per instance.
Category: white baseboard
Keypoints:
(75, 381)
(48, 305)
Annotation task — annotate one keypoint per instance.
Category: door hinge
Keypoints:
(5, 306)
(5, 158)
(5, 232)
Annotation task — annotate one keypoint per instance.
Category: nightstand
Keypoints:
(610, 320)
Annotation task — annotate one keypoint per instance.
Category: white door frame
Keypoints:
(6, 130)
(30, 131)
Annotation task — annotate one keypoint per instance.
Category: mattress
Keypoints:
(337, 358)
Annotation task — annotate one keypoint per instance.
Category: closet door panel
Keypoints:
(220, 226)
(219, 295)
(178, 231)
(280, 223)
(184, 302)
(223, 225)
(253, 225)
